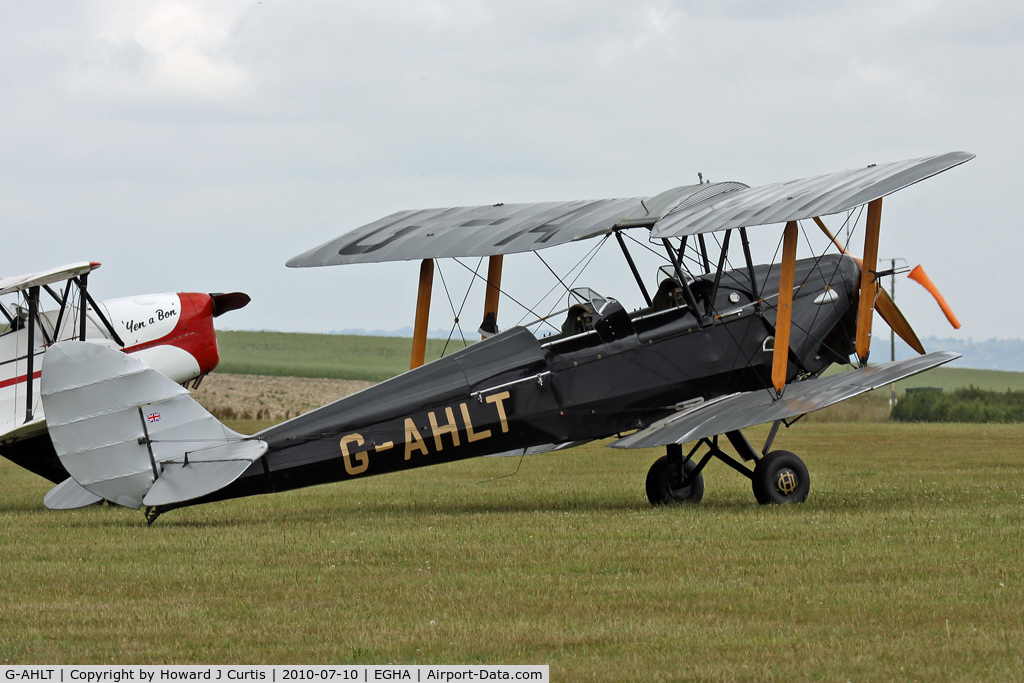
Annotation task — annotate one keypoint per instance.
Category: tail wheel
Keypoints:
(780, 477)
(664, 483)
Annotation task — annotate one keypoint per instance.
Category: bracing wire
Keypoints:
(587, 258)
(455, 323)
(582, 265)
(503, 292)
(462, 306)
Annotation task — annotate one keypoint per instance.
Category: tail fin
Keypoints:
(128, 434)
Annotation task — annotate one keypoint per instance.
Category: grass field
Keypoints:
(377, 358)
(335, 356)
(904, 564)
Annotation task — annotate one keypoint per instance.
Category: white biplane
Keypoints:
(171, 333)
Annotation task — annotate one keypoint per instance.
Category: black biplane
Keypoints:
(715, 350)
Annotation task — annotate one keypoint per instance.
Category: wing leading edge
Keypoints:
(742, 410)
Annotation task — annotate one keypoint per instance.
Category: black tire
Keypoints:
(660, 481)
(780, 477)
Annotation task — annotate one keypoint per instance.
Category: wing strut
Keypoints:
(632, 266)
(868, 286)
(33, 314)
(494, 263)
(419, 335)
(83, 284)
(750, 268)
(780, 356)
(677, 264)
(718, 274)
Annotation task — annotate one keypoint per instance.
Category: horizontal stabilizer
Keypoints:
(180, 481)
(118, 425)
(69, 495)
(742, 410)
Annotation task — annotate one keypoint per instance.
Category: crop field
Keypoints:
(269, 398)
(906, 563)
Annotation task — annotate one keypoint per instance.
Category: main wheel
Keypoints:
(780, 477)
(663, 481)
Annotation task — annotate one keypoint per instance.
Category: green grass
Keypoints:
(904, 564)
(377, 358)
(334, 356)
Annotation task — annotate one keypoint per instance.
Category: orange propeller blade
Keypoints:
(884, 304)
(918, 276)
(894, 318)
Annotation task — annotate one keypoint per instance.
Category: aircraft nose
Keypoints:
(232, 301)
(195, 330)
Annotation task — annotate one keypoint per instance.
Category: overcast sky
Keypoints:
(196, 146)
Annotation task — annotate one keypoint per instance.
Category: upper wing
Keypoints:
(16, 283)
(739, 411)
(685, 210)
(497, 229)
(806, 198)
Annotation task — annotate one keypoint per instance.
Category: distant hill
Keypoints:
(991, 354)
(403, 332)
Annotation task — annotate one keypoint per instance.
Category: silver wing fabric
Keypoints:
(806, 198)
(685, 210)
(469, 231)
(497, 229)
(739, 411)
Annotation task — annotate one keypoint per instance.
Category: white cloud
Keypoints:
(160, 51)
(235, 135)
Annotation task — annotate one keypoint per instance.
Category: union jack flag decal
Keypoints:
(153, 417)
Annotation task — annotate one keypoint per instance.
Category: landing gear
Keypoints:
(777, 477)
(670, 481)
(780, 477)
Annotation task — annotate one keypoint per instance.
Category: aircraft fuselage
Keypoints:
(514, 391)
